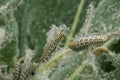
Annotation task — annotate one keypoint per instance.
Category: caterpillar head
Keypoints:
(105, 38)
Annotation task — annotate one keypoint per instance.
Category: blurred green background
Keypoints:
(33, 18)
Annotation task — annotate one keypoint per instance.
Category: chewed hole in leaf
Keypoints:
(116, 47)
(106, 65)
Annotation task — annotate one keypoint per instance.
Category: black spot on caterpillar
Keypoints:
(28, 71)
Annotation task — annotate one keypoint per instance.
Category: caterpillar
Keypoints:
(17, 69)
(29, 71)
(84, 42)
(99, 50)
(51, 47)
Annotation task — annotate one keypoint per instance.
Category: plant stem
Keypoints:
(74, 25)
(55, 59)
(77, 72)
(89, 16)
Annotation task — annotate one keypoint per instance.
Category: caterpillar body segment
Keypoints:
(60, 36)
(51, 47)
(48, 52)
(29, 71)
(84, 42)
(18, 69)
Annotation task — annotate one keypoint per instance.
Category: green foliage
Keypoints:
(9, 48)
(24, 25)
